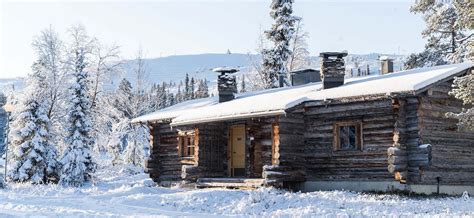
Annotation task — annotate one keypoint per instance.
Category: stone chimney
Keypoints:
(386, 65)
(332, 69)
(305, 76)
(226, 84)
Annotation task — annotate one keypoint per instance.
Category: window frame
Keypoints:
(187, 143)
(358, 133)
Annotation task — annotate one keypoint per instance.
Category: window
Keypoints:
(347, 136)
(187, 143)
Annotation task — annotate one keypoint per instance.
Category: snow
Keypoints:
(384, 58)
(250, 104)
(400, 82)
(176, 110)
(115, 193)
(276, 101)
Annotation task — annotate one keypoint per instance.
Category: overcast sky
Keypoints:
(166, 28)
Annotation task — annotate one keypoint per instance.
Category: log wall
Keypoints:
(163, 163)
(370, 163)
(212, 158)
(260, 147)
(452, 149)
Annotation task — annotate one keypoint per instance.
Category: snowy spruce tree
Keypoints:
(32, 156)
(77, 163)
(281, 33)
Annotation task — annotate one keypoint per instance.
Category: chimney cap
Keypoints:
(225, 70)
(332, 54)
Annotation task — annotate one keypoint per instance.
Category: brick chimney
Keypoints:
(226, 84)
(332, 69)
(386, 65)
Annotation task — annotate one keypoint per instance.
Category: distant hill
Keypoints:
(174, 68)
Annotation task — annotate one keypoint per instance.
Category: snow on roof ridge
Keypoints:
(273, 101)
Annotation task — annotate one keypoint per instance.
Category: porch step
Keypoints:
(229, 183)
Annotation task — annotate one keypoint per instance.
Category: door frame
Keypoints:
(230, 148)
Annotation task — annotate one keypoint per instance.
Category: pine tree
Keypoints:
(33, 157)
(280, 34)
(163, 97)
(77, 163)
(187, 88)
(445, 33)
(191, 89)
(205, 88)
(171, 99)
(179, 95)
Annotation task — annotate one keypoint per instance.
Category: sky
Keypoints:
(176, 27)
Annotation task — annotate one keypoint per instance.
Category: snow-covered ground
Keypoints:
(116, 193)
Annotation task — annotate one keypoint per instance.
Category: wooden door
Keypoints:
(237, 140)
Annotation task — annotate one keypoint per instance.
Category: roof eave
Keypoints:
(229, 118)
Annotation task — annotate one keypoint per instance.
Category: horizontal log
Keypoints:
(396, 151)
(396, 160)
(392, 168)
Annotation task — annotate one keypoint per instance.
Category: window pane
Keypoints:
(347, 137)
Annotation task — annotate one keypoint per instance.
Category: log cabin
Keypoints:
(374, 133)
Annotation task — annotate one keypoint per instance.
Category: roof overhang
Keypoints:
(229, 117)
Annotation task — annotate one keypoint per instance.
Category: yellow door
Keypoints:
(238, 150)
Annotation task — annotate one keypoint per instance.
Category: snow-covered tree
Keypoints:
(258, 77)
(48, 47)
(299, 57)
(281, 33)
(243, 86)
(138, 145)
(463, 89)
(130, 140)
(187, 88)
(32, 156)
(77, 163)
(3, 99)
(106, 65)
(448, 39)
(192, 89)
(202, 90)
(49, 50)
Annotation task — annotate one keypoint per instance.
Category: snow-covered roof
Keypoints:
(400, 82)
(276, 101)
(176, 110)
(252, 104)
